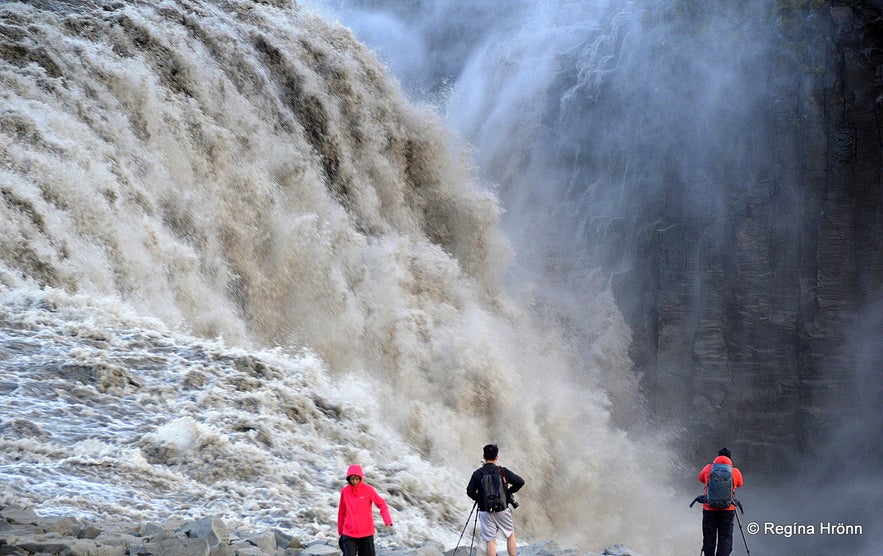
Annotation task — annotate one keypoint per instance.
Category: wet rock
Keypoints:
(24, 533)
(320, 549)
(174, 546)
(618, 550)
(212, 529)
(18, 515)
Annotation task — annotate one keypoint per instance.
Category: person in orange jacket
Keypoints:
(355, 520)
(717, 523)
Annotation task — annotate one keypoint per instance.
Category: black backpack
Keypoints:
(720, 486)
(493, 489)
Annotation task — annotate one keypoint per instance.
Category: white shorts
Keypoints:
(492, 522)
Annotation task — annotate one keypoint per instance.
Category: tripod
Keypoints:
(739, 521)
(474, 525)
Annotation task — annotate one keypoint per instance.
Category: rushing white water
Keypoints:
(236, 259)
(112, 416)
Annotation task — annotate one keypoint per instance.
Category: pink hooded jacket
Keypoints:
(706, 472)
(354, 516)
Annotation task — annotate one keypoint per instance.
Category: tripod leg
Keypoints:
(474, 525)
(468, 519)
(739, 521)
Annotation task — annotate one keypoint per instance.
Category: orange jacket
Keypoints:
(354, 516)
(706, 472)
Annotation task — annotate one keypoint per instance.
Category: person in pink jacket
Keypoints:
(355, 519)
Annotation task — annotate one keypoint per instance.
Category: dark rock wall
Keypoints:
(747, 318)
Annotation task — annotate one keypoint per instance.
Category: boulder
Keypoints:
(321, 548)
(174, 546)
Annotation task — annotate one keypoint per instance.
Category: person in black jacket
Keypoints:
(491, 521)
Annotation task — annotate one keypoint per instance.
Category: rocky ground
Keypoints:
(24, 533)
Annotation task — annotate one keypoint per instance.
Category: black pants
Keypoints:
(717, 528)
(352, 546)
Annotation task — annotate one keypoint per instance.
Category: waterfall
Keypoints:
(237, 257)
